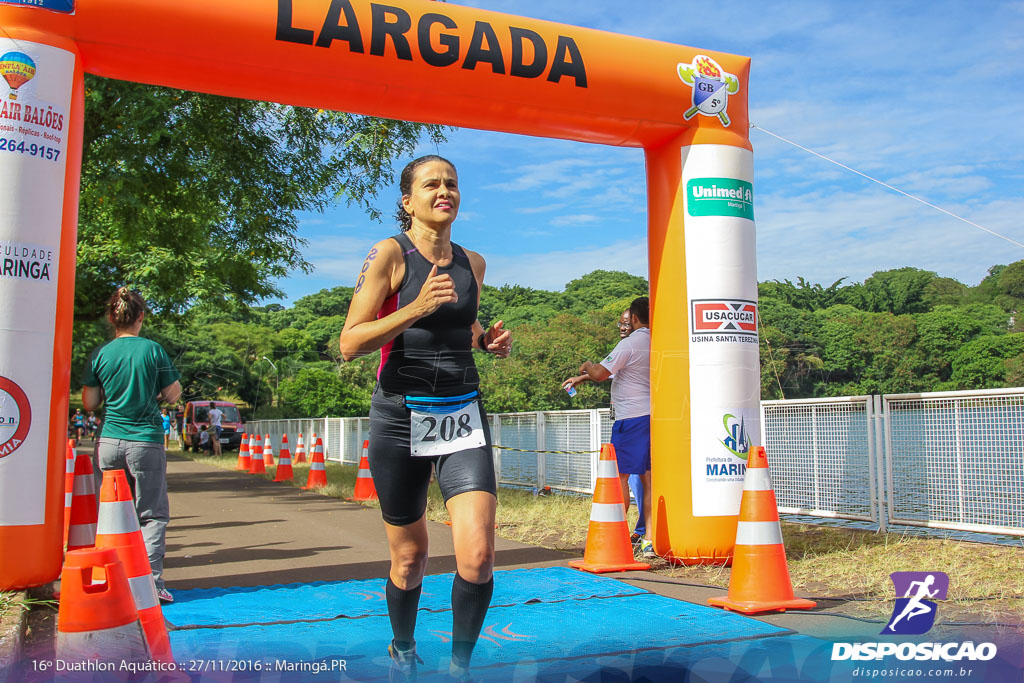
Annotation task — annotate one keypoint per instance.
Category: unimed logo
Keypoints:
(914, 614)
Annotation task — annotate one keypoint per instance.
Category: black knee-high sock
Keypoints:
(469, 607)
(402, 606)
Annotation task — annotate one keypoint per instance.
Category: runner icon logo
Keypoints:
(914, 613)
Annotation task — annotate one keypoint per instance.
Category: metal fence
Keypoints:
(823, 456)
(944, 460)
(953, 459)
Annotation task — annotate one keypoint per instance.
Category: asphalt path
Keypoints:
(232, 529)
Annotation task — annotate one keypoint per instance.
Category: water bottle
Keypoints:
(570, 389)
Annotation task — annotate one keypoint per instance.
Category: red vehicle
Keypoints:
(196, 415)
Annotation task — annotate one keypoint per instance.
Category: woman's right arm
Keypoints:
(363, 332)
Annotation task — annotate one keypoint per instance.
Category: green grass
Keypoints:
(986, 581)
(7, 602)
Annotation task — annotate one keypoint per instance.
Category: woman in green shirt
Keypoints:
(132, 374)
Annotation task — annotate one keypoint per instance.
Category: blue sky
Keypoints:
(926, 96)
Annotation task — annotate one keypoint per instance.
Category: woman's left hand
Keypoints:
(498, 340)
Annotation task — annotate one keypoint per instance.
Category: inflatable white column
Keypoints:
(41, 98)
(721, 279)
(705, 369)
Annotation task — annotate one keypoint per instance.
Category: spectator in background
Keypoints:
(204, 439)
(636, 483)
(179, 425)
(630, 362)
(132, 374)
(215, 415)
(78, 424)
(165, 422)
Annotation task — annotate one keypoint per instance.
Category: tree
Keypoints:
(984, 363)
(869, 353)
(192, 197)
(320, 393)
(592, 291)
(899, 291)
(545, 354)
(945, 291)
(803, 295)
(943, 331)
(500, 303)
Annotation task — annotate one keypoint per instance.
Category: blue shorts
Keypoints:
(632, 440)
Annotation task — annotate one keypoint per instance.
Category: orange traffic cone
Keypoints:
(365, 490)
(608, 547)
(119, 530)
(243, 455)
(256, 464)
(300, 450)
(97, 621)
(760, 578)
(69, 485)
(317, 470)
(82, 530)
(268, 452)
(284, 462)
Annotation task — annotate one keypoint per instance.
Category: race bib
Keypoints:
(439, 426)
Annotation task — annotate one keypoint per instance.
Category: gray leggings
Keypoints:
(145, 466)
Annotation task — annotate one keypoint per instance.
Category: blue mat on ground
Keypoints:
(327, 600)
(585, 617)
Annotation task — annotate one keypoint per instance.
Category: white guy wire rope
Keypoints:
(885, 184)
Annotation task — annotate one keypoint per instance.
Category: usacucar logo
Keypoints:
(736, 316)
(711, 87)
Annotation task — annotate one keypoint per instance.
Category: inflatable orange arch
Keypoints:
(419, 61)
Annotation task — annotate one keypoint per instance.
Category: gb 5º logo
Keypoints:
(711, 87)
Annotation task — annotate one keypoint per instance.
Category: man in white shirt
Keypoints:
(630, 363)
(215, 415)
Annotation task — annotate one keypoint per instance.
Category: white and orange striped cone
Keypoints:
(69, 485)
(760, 578)
(256, 464)
(82, 530)
(365, 490)
(317, 469)
(608, 546)
(243, 455)
(97, 621)
(268, 452)
(119, 529)
(300, 450)
(284, 462)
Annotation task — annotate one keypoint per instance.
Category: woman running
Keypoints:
(416, 300)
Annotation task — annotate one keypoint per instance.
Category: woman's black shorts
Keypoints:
(402, 479)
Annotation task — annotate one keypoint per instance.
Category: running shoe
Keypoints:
(459, 671)
(403, 664)
(164, 595)
(647, 549)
